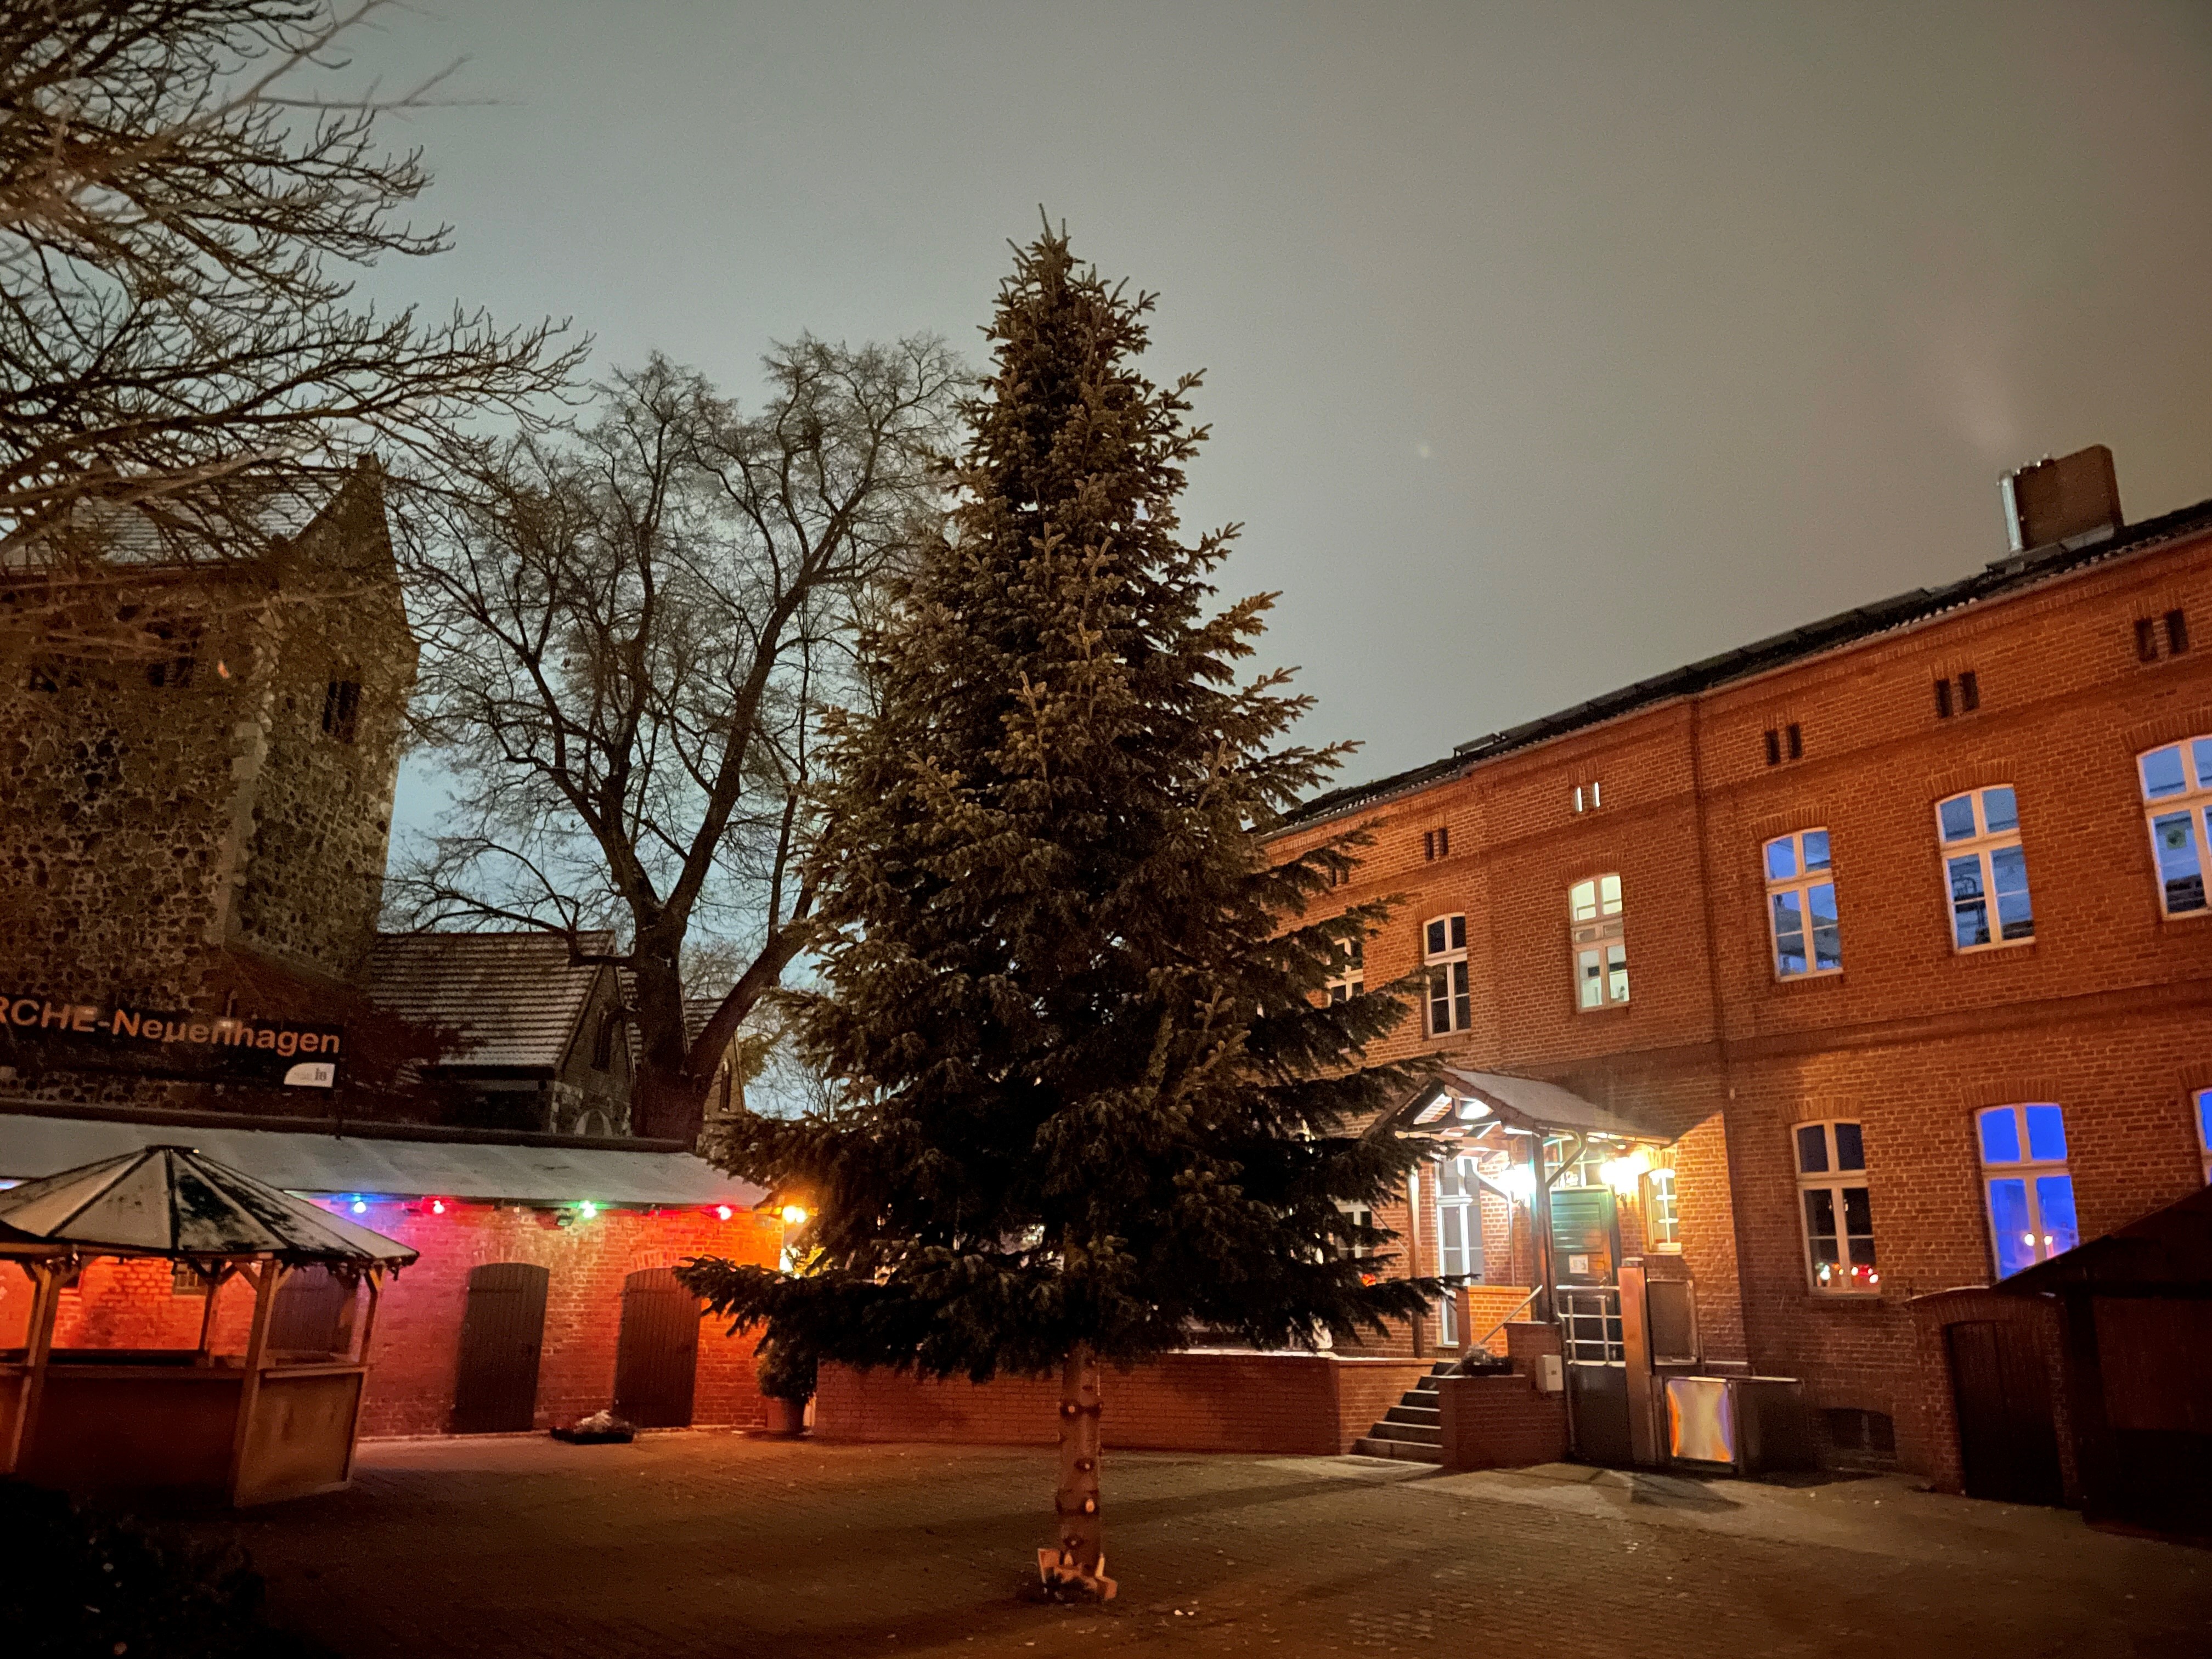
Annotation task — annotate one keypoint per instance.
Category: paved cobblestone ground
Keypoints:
(715, 1544)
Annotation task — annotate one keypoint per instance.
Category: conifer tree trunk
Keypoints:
(1079, 1562)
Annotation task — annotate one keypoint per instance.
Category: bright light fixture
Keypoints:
(794, 1215)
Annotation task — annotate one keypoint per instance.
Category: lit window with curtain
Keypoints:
(1800, 905)
(2176, 788)
(2029, 1187)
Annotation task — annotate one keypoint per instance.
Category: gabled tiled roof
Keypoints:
(2000, 579)
(514, 998)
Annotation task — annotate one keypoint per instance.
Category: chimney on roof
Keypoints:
(2058, 501)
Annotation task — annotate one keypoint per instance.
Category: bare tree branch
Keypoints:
(630, 624)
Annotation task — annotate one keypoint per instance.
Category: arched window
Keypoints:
(1597, 941)
(1444, 953)
(1832, 1190)
(1801, 904)
(2176, 787)
(1985, 869)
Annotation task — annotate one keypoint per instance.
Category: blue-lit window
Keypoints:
(2177, 786)
(1985, 869)
(2204, 1103)
(1832, 1194)
(2031, 1192)
(1800, 905)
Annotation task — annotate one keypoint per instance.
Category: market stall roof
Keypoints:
(174, 1202)
(1525, 1102)
(516, 1169)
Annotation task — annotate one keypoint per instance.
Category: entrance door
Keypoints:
(1585, 1235)
(2006, 1442)
(657, 1357)
(497, 1389)
(1459, 1241)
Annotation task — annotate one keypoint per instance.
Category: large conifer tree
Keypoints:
(1099, 1103)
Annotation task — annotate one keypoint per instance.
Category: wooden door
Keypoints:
(657, 1357)
(2007, 1444)
(495, 1390)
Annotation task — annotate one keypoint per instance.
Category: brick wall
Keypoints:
(1309, 1404)
(2103, 1014)
(415, 1345)
(1500, 1422)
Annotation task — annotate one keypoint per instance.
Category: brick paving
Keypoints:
(703, 1543)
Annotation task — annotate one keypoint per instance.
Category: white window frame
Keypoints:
(1353, 981)
(1444, 954)
(1662, 1210)
(1982, 846)
(2187, 807)
(1598, 943)
(2029, 1170)
(1842, 1277)
(1802, 883)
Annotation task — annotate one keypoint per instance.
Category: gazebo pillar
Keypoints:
(45, 1304)
(257, 1353)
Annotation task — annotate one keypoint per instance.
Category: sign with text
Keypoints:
(36, 1031)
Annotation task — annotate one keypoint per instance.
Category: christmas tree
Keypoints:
(1099, 1103)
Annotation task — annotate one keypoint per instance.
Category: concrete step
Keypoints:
(1426, 1385)
(1426, 1416)
(1404, 1451)
(1426, 1434)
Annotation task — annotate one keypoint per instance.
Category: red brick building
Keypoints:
(543, 1293)
(1888, 937)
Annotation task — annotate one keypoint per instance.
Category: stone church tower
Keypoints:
(197, 768)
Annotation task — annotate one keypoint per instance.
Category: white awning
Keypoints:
(298, 1162)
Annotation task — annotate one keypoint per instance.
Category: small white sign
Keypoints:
(1576, 1264)
(320, 1074)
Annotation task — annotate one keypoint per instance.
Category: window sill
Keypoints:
(1606, 1008)
(2186, 916)
(1998, 950)
(1845, 1298)
(1826, 976)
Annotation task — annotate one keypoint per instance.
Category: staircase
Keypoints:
(1412, 1430)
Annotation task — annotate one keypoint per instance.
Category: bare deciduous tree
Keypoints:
(182, 204)
(627, 625)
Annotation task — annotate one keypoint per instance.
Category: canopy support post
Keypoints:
(45, 1304)
(215, 1282)
(257, 1346)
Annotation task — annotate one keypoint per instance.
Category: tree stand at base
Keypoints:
(1077, 1567)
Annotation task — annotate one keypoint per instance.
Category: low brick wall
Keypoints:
(1313, 1405)
(1500, 1421)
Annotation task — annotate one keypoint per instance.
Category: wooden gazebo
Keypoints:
(251, 1427)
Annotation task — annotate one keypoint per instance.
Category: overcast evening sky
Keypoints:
(1546, 346)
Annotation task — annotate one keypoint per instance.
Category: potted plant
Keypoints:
(787, 1383)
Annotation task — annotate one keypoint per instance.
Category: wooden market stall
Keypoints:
(250, 1427)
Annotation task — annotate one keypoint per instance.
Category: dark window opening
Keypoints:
(1852, 1430)
(1970, 693)
(1942, 700)
(2176, 631)
(342, 709)
(2146, 640)
(176, 674)
(1796, 743)
(603, 1046)
(1435, 844)
(1774, 748)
